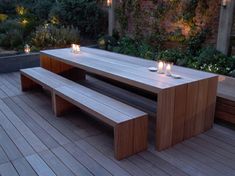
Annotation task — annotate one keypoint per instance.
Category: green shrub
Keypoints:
(50, 36)
(195, 42)
(11, 34)
(209, 59)
(107, 42)
(84, 14)
(176, 55)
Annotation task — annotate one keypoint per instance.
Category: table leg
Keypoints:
(185, 111)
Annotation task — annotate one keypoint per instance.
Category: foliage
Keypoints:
(3, 17)
(11, 34)
(84, 14)
(50, 36)
(195, 42)
(213, 61)
(128, 46)
(176, 55)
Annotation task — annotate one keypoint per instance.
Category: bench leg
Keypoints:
(28, 84)
(60, 105)
(130, 137)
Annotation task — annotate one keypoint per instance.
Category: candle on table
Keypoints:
(168, 69)
(160, 67)
(73, 48)
(78, 49)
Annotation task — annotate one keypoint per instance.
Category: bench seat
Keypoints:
(130, 124)
(225, 105)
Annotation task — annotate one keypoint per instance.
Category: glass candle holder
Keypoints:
(160, 67)
(27, 49)
(78, 49)
(169, 69)
(72, 48)
(75, 48)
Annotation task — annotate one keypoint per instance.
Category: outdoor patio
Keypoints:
(35, 142)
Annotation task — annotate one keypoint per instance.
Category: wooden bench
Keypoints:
(225, 105)
(130, 124)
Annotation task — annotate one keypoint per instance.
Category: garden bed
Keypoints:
(17, 62)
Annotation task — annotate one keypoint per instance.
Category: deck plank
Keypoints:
(77, 168)
(8, 146)
(40, 167)
(55, 164)
(7, 169)
(34, 127)
(23, 167)
(24, 130)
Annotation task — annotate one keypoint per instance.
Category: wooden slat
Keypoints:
(92, 106)
(55, 66)
(93, 166)
(179, 114)
(23, 167)
(225, 116)
(55, 164)
(211, 103)
(7, 169)
(201, 106)
(192, 99)
(43, 135)
(107, 163)
(23, 129)
(45, 62)
(44, 124)
(76, 167)
(15, 136)
(8, 146)
(225, 108)
(165, 117)
(3, 156)
(39, 165)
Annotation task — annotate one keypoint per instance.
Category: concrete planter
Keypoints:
(17, 62)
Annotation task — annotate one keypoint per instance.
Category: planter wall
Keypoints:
(17, 62)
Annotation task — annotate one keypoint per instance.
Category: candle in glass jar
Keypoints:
(27, 49)
(168, 69)
(224, 3)
(109, 3)
(160, 67)
(73, 48)
(78, 49)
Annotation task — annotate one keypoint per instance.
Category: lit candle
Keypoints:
(27, 49)
(78, 48)
(224, 3)
(168, 69)
(160, 67)
(109, 3)
(73, 48)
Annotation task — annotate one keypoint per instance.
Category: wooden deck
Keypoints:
(34, 142)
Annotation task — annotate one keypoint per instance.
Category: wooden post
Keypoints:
(111, 17)
(225, 27)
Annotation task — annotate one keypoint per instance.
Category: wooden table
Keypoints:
(185, 107)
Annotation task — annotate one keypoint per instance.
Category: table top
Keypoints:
(127, 69)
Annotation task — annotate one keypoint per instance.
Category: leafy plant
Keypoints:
(50, 36)
(176, 55)
(84, 14)
(209, 59)
(195, 42)
(11, 34)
